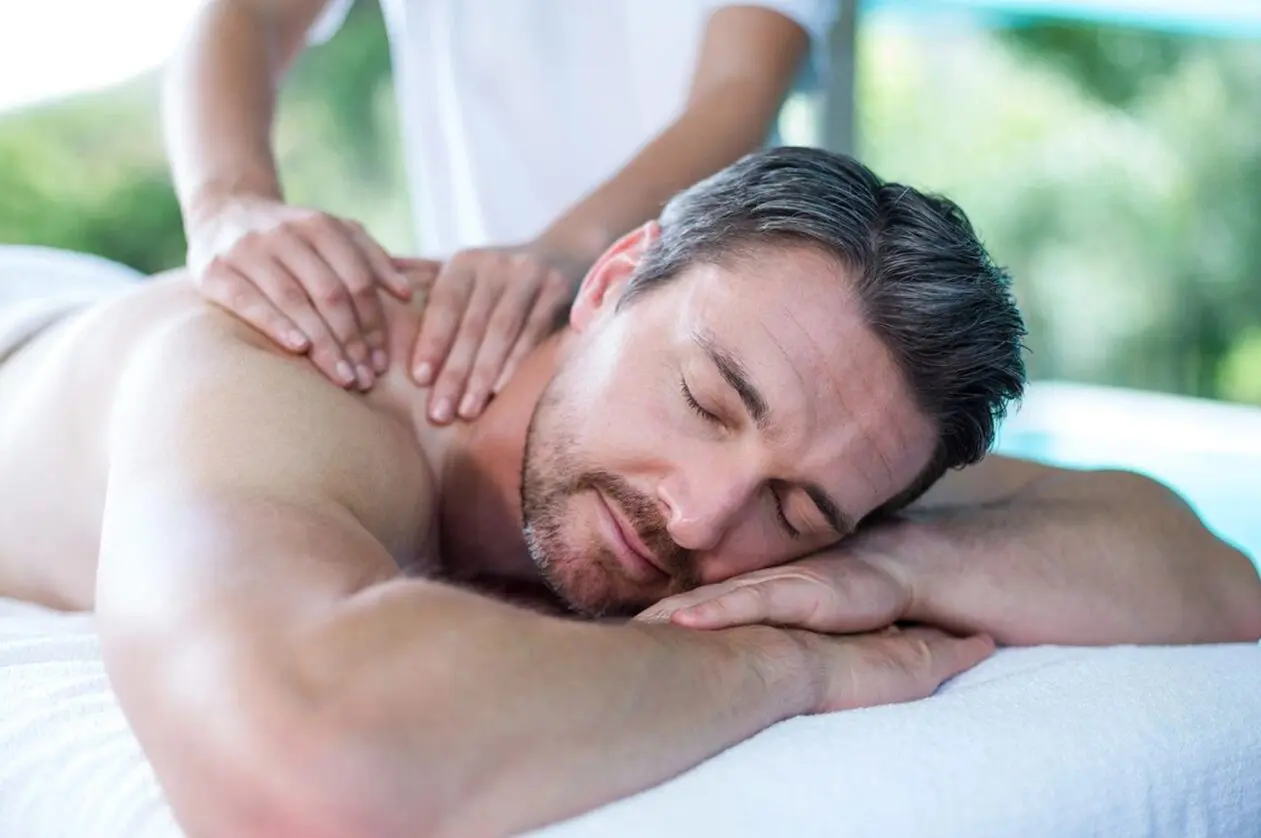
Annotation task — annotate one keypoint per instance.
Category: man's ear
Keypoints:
(605, 282)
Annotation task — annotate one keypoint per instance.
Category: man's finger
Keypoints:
(781, 602)
(668, 607)
(502, 331)
(345, 255)
(905, 666)
(288, 295)
(450, 383)
(226, 286)
(441, 319)
(952, 655)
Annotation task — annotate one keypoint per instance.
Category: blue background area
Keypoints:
(1222, 18)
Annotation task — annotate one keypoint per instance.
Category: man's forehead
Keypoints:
(789, 311)
(834, 395)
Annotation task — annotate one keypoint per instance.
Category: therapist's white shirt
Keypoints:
(512, 110)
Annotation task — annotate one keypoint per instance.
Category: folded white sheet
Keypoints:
(1036, 743)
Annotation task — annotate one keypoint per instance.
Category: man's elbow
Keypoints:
(1242, 599)
(248, 751)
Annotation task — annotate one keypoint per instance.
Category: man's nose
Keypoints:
(701, 507)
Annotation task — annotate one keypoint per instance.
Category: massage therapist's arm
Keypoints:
(305, 278)
(283, 678)
(745, 65)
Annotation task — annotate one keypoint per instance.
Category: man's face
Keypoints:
(735, 418)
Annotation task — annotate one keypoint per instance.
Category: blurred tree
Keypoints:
(1203, 97)
(89, 173)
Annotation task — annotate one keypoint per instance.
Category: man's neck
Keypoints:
(477, 466)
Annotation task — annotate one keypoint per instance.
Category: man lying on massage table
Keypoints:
(776, 370)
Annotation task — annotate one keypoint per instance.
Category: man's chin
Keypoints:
(593, 594)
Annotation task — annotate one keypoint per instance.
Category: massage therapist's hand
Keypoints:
(487, 308)
(306, 279)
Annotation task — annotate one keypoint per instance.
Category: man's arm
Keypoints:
(1024, 552)
(1038, 554)
(284, 679)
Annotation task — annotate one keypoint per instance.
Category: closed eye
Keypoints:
(695, 405)
(792, 531)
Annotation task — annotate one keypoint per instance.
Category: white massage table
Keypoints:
(1037, 743)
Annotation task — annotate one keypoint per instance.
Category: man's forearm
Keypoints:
(218, 102)
(478, 718)
(1076, 558)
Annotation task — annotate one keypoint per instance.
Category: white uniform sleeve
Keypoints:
(816, 17)
(329, 21)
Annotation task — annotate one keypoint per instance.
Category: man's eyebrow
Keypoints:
(735, 374)
(836, 519)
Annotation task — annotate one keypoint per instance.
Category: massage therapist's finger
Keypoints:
(226, 286)
(383, 267)
(353, 269)
(419, 274)
(909, 665)
(444, 310)
(443, 398)
(274, 280)
(328, 293)
(551, 300)
(502, 331)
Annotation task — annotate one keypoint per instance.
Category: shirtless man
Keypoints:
(285, 572)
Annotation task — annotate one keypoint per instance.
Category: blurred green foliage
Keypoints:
(1116, 171)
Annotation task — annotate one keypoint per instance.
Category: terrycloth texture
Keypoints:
(69, 765)
(39, 286)
(1037, 743)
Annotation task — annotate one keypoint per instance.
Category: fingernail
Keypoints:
(468, 407)
(295, 340)
(345, 372)
(441, 410)
(380, 360)
(364, 376)
(424, 374)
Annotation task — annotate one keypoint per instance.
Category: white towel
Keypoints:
(1038, 743)
(39, 286)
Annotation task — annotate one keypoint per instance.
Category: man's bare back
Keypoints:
(64, 392)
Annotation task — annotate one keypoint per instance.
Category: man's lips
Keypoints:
(629, 536)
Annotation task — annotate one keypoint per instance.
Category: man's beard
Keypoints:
(588, 577)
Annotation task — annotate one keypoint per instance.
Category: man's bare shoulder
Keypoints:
(245, 414)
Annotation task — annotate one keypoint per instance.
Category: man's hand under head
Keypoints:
(1024, 553)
